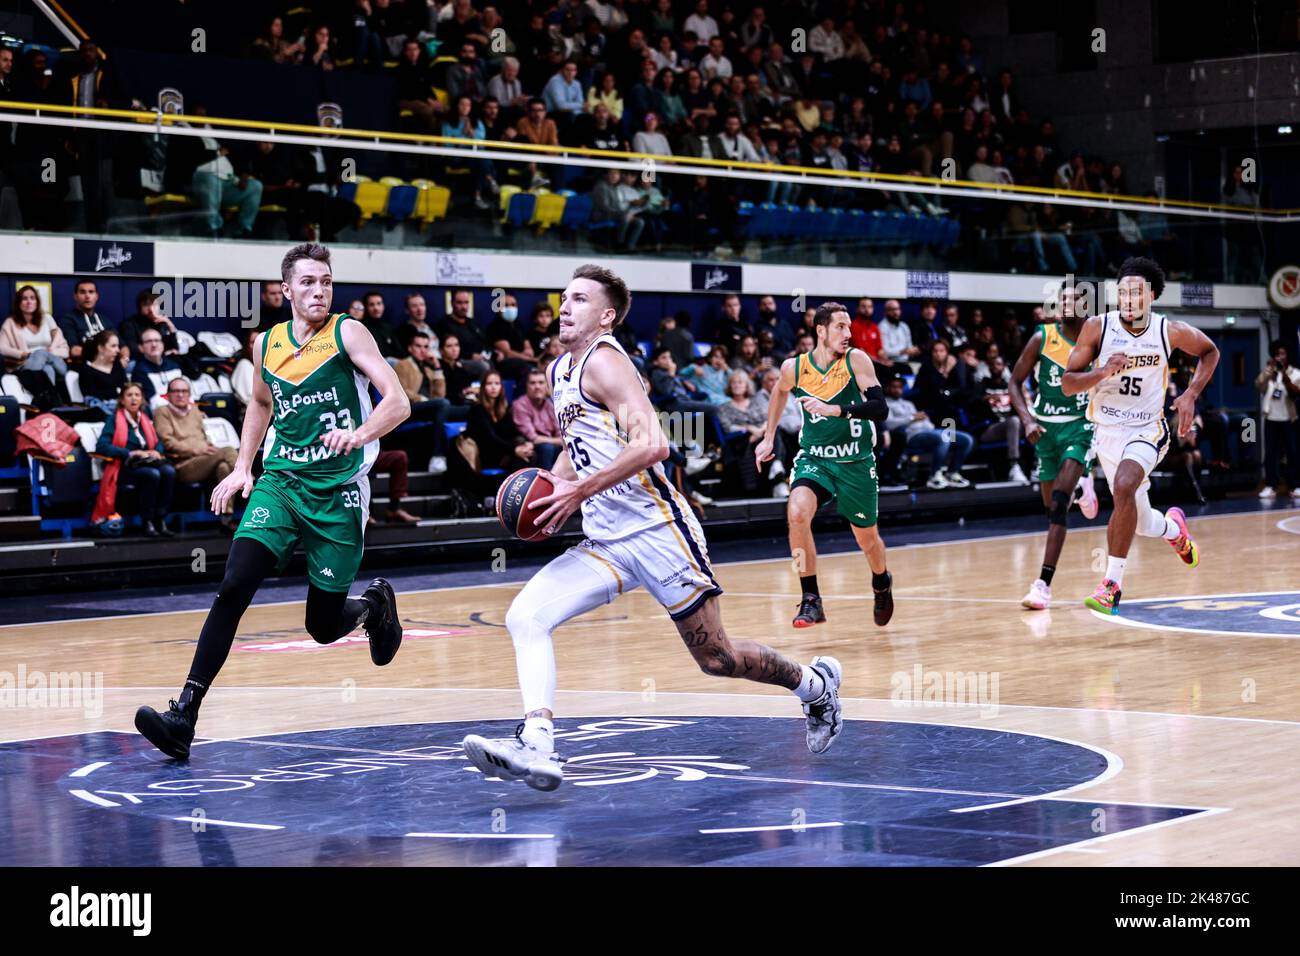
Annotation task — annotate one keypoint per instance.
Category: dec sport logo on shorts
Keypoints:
(1256, 614)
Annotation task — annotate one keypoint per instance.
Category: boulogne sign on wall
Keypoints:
(710, 277)
(112, 256)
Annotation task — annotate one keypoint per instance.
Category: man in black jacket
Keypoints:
(83, 321)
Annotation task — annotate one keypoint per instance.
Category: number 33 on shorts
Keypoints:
(351, 497)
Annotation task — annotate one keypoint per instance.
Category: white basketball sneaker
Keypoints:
(823, 714)
(513, 758)
(1087, 498)
(1039, 597)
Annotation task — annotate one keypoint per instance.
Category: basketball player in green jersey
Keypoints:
(311, 401)
(1059, 430)
(841, 402)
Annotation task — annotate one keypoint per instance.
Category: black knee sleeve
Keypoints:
(1057, 513)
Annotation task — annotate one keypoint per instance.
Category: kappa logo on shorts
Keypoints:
(327, 572)
(258, 516)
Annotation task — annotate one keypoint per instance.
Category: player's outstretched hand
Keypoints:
(340, 441)
(559, 505)
(1033, 432)
(763, 451)
(1185, 406)
(239, 481)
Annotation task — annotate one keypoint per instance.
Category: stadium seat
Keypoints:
(431, 202)
(10, 418)
(221, 432)
(549, 211)
(402, 200)
(453, 429)
(764, 221)
(221, 405)
(372, 198)
(577, 211)
(89, 432)
(10, 385)
(520, 209)
(744, 218)
(503, 198)
(784, 225)
(852, 225)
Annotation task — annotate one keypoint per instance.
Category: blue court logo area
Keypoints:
(1261, 614)
(737, 791)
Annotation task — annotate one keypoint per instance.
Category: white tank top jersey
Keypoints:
(1136, 396)
(593, 440)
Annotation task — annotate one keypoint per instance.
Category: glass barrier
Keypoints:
(242, 183)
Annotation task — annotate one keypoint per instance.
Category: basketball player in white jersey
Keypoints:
(1122, 357)
(640, 532)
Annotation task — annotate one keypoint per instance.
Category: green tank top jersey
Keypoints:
(315, 388)
(1051, 404)
(835, 439)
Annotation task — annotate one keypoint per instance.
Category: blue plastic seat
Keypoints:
(520, 210)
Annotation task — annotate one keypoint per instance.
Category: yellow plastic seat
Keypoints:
(432, 202)
(504, 197)
(372, 198)
(549, 210)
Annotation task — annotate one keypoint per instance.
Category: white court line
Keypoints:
(88, 769)
(1074, 847)
(486, 836)
(407, 755)
(792, 826)
(939, 705)
(868, 597)
(91, 798)
(519, 584)
(1152, 626)
(1286, 525)
(228, 823)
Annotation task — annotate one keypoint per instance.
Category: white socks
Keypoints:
(539, 732)
(812, 686)
(1172, 530)
(1115, 568)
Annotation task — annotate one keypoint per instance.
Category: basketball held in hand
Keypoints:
(514, 497)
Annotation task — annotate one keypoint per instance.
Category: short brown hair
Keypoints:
(305, 250)
(824, 312)
(615, 289)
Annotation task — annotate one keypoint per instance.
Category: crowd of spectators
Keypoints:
(862, 86)
(944, 366)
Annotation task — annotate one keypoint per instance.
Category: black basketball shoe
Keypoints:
(172, 732)
(810, 611)
(382, 625)
(884, 607)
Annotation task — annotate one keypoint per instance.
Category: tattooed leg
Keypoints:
(719, 656)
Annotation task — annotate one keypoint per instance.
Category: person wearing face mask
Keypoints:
(512, 354)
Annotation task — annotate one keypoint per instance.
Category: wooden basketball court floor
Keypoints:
(976, 732)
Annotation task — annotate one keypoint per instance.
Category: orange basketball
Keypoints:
(513, 498)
